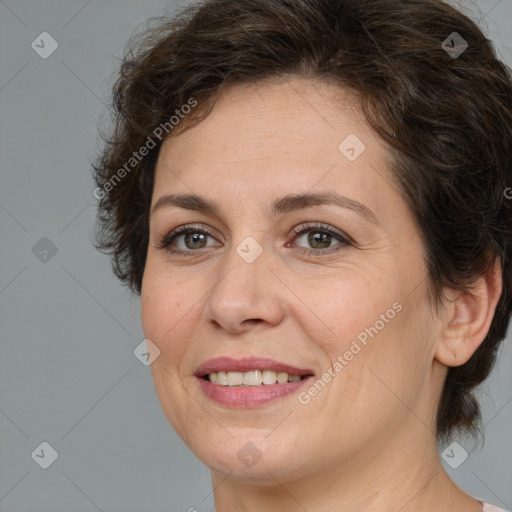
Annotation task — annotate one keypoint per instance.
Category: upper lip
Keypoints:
(228, 364)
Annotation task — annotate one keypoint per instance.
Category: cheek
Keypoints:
(377, 380)
(345, 309)
(395, 362)
(368, 325)
(167, 312)
(167, 316)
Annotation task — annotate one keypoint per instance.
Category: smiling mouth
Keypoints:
(252, 378)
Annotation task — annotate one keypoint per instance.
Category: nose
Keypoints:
(246, 295)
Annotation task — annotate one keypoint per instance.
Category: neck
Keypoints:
(402, 475)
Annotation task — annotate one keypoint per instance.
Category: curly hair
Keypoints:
(444, 109)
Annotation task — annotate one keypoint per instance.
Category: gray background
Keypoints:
(68, 375)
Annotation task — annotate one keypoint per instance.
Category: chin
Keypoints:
(253, 458)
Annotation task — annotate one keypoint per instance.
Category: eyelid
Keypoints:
(320, 226)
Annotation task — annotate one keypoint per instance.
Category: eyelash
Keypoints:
(344, 240)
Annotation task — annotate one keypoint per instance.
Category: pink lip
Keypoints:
(248, 396)
(227, 364)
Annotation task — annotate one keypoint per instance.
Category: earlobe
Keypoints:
(467, 318)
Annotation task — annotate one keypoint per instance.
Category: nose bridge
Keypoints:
(244, 265)
(243, 291)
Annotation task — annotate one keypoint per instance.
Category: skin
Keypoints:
(366, 441)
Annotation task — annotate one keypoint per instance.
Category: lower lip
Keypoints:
(248, 396)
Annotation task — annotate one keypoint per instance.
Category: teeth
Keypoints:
(235, 378)
(282, 377)
(269, 377)
(252, 378)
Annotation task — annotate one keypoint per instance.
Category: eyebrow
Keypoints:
(285, 204)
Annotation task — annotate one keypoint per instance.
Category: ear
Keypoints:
(466, 319)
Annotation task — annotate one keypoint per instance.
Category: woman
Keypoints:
(309, 196)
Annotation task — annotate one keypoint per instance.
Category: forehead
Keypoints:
(291, 134)
(275, 115)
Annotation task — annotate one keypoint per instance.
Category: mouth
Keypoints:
(252, 378)
(249, 382)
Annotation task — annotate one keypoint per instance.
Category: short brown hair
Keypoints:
(446, 117)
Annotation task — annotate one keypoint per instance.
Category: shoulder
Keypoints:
(491, 508)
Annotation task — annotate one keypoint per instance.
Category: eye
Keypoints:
(320, 238)
(186, 239)
(191, 240)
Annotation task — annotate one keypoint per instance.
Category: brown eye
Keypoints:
(195, 240)
(187, 240)
(319, 239)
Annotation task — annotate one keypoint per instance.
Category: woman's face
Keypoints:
(332, 289)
